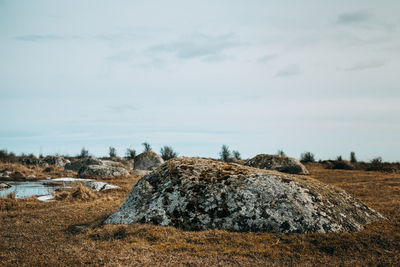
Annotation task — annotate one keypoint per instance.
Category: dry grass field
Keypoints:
(69, 231)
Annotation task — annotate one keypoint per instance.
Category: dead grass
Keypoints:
(66, 232)
(20, 172)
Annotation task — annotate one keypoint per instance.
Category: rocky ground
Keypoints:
(69, 230)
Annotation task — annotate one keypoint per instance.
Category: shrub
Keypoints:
(147, 146)
(339, 158)
(376, 164)
(281, 153)
(84, 153)
(112, 152)
(353, 158)
(6, 156)
(130, 153)
(307, 157)
(168, 153)
(225, 154)
(236, 155)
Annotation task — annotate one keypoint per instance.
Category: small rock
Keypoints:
(100, 186)
(56, 160)
(29, 177)
(4, 186)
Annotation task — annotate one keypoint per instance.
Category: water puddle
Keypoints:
(44, 189)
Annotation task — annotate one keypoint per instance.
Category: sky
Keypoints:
(258, 76)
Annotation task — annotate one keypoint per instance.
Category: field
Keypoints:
(69, 231)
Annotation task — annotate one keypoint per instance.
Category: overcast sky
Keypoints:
(258, 76)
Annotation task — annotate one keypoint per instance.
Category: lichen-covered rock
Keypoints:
(200, 194)
(33, 161)
(4, 186)
(56, 160)
(99, 186)
(88, 171)
(76, 165)
(277, 163)
(148, 160)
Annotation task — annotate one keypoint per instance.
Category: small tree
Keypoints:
(236, 155)
(84, 153)
(168, 153)
(130, 153)
(307, 157)
(339, 158)
(281, 153)
(112, 152)
(353, 158)
(147, 146)
(225, 154)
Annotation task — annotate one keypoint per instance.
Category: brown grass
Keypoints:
(21, 172)
(65, 232)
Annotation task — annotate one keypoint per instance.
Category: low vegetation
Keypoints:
(167, 153)
(69, 231)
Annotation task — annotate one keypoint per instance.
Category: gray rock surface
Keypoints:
(148, 161)
(76, 165)
(56, 160)
(93, 167)
(277, 163)
(99, 186)
(4, 186)
(33, 161)
(200, 194)
(88, 171)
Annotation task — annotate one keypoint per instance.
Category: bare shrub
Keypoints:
(168, 153)
(147, 146)
(112, 152)
(225, 153)
(307, 157)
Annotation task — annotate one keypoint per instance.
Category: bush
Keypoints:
(112, 152)
(307, 157)
(353, 158)
(376, 164)
(6, 156)
(130, 153)
(168, 153)
(339, 158)
(84, 153)
(147, 146)
(236, 155)
(225, 154)
(281, 153)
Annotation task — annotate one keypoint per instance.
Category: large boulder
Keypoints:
(103, 171)
(148, 160)
(56, 160)
(277, 163)
(200, 194)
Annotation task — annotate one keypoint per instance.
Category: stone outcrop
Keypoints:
(148, 160)
(200, 194)
(56, 160)
(93, 167)
(33, 161)
(277, 163)
(88, 171)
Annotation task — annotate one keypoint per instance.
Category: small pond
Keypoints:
(40, 188)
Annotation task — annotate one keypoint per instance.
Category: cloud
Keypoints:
(266, 59)
(38, 37)
(289, 71)
(364, 65)
(353, 17)
(197, 45)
